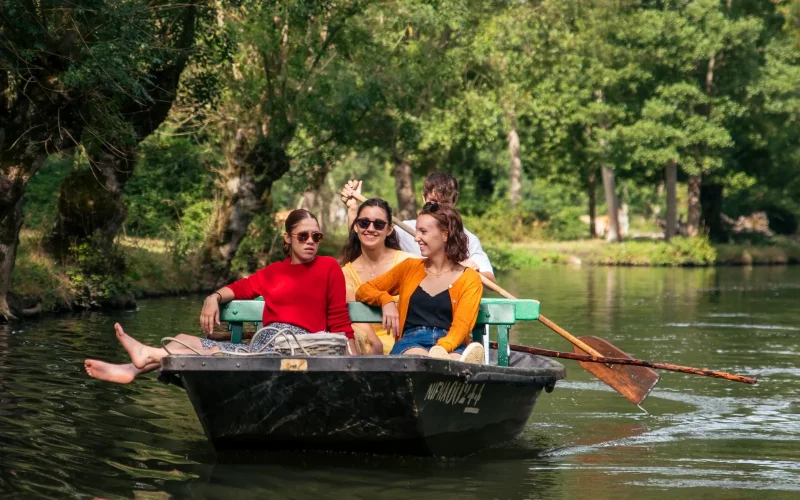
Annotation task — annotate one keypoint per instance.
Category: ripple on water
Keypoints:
(734, 325)
(64, 435)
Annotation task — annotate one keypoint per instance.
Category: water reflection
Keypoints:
(65, 435)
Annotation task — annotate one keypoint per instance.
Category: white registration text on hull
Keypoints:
(455, 393)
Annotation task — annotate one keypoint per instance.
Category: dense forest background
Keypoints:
(183, 128)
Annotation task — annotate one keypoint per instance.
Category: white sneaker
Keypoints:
(473, 354)
(438, 352)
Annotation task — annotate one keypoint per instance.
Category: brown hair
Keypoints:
(294, 218)
(456, 247)
(352, 249)
(443, 185)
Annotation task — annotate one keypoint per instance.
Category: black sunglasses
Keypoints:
(364, 223)
(316, 236)
(431, 207)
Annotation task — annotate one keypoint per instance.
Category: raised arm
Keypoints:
(352, 186)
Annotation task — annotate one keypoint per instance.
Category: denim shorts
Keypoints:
(422, 337)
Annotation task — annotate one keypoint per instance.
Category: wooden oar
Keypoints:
(634, 383)
(629, 361)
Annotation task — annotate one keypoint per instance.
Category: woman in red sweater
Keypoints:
(303, 293)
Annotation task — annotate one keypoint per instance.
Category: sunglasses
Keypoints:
(364, 223)
(316, 236)
(431, 207)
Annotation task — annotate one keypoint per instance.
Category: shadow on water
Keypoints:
(63, 435)
(308, 475)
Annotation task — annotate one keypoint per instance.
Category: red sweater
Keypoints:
(311, 296)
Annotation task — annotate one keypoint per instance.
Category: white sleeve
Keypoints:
(476, 253)
(407, 243)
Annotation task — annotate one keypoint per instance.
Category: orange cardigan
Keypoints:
(405, 277)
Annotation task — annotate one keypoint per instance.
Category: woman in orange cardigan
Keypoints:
(439, 298)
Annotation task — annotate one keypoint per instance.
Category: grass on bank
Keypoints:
(151, 270)
(677, 252)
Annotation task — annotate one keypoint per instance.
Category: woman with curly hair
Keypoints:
(439, 297)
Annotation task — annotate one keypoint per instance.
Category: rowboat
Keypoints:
(377, 404)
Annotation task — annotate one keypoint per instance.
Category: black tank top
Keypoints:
(429, 311)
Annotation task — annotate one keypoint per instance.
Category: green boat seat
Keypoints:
(497, 314)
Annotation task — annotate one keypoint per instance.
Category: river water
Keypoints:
(63, 435)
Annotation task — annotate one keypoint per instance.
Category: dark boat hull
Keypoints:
(397, 405)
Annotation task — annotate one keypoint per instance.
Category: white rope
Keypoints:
(243, 350)
(166, 340)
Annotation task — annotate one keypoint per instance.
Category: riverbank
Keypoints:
(40, 284)
(677, 252)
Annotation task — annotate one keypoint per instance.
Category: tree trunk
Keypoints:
(592, 202)
(693, 222)
(9, 240)
(611, 201)
(515, 168)
(672, 201)
(406, 199)
(314, 200)
(711, 203)
(608, 184)
(13, 179)
(246, 186)
(90, 203)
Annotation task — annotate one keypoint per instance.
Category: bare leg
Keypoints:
(119, 374)
(415, 351)
(142, 355)
(435, 352)
(191, 341)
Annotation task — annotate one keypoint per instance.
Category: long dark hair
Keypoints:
(352, 249)
(294, 218)
(456, 247)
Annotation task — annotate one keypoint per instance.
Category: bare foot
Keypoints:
(139, 353)
(119, 374)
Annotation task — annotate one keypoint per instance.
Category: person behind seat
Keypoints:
(439, 297)
(439, 187)
(303, 293)
(371, 250)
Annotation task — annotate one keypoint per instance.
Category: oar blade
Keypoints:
(634, 383)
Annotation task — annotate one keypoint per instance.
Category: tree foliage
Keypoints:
(291, 93)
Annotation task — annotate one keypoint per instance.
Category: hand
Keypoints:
(209, 316)
(352, 187)
(391, 319)
(352, 349)
(471, 264)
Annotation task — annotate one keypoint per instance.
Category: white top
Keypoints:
(476, 253)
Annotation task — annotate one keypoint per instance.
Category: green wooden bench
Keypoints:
(498, 313)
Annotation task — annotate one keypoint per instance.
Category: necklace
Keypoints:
(370, 269)
(438, 275)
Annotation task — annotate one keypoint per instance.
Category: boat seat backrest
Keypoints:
(498, 313)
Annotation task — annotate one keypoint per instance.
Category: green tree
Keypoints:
(90, 201)
(61, 70)
(281, 87)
